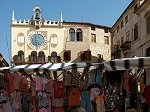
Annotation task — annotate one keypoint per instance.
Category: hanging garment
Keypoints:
(67, 78)
(49, 102)
(126, 78)
(74, 97)
(16, 100)
(1, 108)
(25, 102)
(5, 95)
(58, 102)
(86, 102)
(33, 89)
(59, 89)
(38, 82)
(11, 79)
(100, 106)
(42, 98)
(132, 84)
(43, 110)
(111, 97)
(44, 81)
(80, 110)
(49, 88)
(7, 107)
(94, 76)
(23, 84)
(75, 79)
(17, 78)
(93, 93)
(98, 77)
(58, 109)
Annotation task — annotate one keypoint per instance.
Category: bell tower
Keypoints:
(37, 21)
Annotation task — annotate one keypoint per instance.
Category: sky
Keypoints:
(101, 12)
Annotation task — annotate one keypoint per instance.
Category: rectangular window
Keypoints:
(127, 36)
(93, 37)
(117, 29)
(126, 19)
(93, 28)
(148, 51)
(135, 7)
(67, 55)
(135, 31)
(148, 24)
(121, 24)
(106, 30)
(122, 40)
(106, 40)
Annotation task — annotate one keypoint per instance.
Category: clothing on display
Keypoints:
(41, 93)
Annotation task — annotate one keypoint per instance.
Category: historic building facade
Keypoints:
(130, 34)
(39, 41)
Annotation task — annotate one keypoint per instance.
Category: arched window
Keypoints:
(33, 57)
(72, 34)
(41, 57)
(54, 57)
(79, 36)
(20, 55)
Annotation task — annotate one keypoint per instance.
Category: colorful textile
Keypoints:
(93, 93)
(126, 78)
(38, 82)
(67, 78)
(11, 79)
(59, 89)
(23, 84)
(74, 97)
(85, 101)
(42, 98)
(111, 97)
(100, 106)
(75, 79)
(17, 77)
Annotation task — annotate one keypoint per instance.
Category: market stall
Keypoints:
(134, 88)
(108, 86)
(38, 88)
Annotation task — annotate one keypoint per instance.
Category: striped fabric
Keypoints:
(127, 63)
(49, 66)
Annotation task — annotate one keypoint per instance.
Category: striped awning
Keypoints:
(49, 66)
(127, 63)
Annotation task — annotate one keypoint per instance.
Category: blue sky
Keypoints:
(102, 12)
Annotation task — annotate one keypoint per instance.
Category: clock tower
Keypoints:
(36, 40)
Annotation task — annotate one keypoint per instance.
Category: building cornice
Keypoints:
(86, 23)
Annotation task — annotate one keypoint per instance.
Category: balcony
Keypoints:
(116, 52)
(126, 46)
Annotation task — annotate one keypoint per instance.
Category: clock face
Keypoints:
(37, 40)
